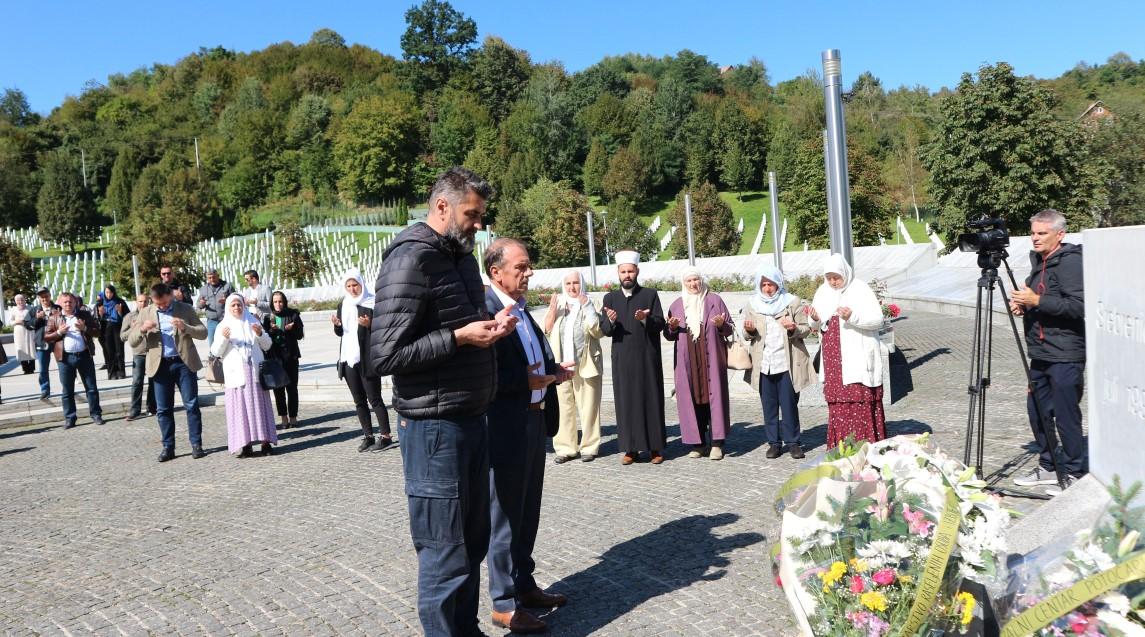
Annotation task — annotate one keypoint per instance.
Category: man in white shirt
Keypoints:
(256, 294)
(523, 413)
(69, 334)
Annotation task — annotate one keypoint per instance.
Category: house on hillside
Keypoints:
(1095, 114)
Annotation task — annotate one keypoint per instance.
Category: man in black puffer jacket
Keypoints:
(431, 332)
(1052, 305)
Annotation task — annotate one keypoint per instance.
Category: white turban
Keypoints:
(630, 257)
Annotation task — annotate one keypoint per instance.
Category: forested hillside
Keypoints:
(202, 144)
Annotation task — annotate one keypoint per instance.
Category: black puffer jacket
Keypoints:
(426, 290)
(1055, 330)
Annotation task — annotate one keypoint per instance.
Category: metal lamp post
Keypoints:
(591, 248)
(838, 188)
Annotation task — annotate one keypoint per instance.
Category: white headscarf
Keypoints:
(826, 297)
(776, 303)
(21, 302)
(350, 352)
(571, 303)
(242, 336)
(693, 303)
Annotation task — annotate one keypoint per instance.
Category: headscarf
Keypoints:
(242, 336)
(573, 303)
(351, 352)
(285, 302)
(826, 297)
(776, 303)
(693, 303)
(21, 303)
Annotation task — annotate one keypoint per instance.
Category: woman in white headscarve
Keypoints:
(352, 326)
(701, 317)
(774, 326)
(241, 342)
(23, 338)
(851, 368)
(572, 325)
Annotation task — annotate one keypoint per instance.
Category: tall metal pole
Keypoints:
(688, 219)
(837, 154)
(776, 240)
(607, 252)
(83, 167)
(135, 271)
(591, 248)
(196, 156)
(832, 227)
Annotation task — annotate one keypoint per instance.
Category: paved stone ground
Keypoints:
(96, 537)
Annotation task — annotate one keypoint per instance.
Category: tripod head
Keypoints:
(991, 259)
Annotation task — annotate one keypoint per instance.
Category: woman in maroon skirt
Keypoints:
(241, 342)
(851, 368)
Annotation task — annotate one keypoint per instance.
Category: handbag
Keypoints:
(214, 370)
(271, 374)
(739, 357)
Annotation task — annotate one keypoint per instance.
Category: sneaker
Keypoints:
(366, 444)
(1036, 477)
(1056, 490)
(383, 443)
(717, 453)
(695, 453)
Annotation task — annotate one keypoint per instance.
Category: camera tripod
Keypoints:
(981, 366)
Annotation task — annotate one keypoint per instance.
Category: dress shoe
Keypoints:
(98, 421)
(628, 459)
(538, 598)
(131, 417)
(69, 424)
(588, 457)
(563, 459)
(657, 458)
(774, 451)
(796, 451)
(267, 450)
(168, 454)
(247, 452)
(197, 452)
(519, 621)
(366, 443)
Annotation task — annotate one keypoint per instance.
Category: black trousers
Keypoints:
(286, 398)
(1057, 390)
(367, 393)
(113, 349)
(704, 424)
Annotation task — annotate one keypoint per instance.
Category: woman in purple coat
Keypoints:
(698, 323)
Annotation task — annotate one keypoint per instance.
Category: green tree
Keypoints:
(14, 108)
(123, 174)
(516, 221)
(148, 188)
(562, 224)
(186, 194)
(627, 231)
(1121, 143)
(736, 169)
(376, 147)
(241, 186)
(19, 273)
(806, 199)
(18, 186)
(627, 178)
(437, 42)
(156, 236)
(595, 168)
(999, 151)
(713, 230)
(460, 118)
(327, 37)
(66, 211)
(297, 257)
(500, 74)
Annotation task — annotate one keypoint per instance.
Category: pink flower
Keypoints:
(858, 618)
(917, 521)
(880, 509)
(876, 626)
(884, 577)
(857, 586)
(778, 581)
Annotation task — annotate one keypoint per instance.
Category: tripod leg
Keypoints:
(972, 387)
(985, 382)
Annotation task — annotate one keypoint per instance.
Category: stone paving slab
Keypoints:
(98, 538)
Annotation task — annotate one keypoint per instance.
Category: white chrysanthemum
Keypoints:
(1115, 602)
(1093, 558)
(880, 553)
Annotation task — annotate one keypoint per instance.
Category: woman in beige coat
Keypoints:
(774, 325)
(572, 326)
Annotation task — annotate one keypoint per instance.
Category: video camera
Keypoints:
(988, 236)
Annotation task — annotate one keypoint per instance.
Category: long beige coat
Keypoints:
(798, 360)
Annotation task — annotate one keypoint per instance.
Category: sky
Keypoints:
(50, 49)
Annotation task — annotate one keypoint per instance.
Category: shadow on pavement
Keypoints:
(309, 438)
(815, 439)
(27, 431)
(635, 571)
(18, 450)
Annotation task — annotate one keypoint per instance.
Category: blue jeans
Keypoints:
(43, 359)
(82, 363)
(447, 485)
(211, 325)
(776, 391)
(172, 372)
(1057, 388)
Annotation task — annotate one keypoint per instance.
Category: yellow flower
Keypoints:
(874, 600)
(905, 579)
(834, 574)
(968, 602)
(859, 566)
